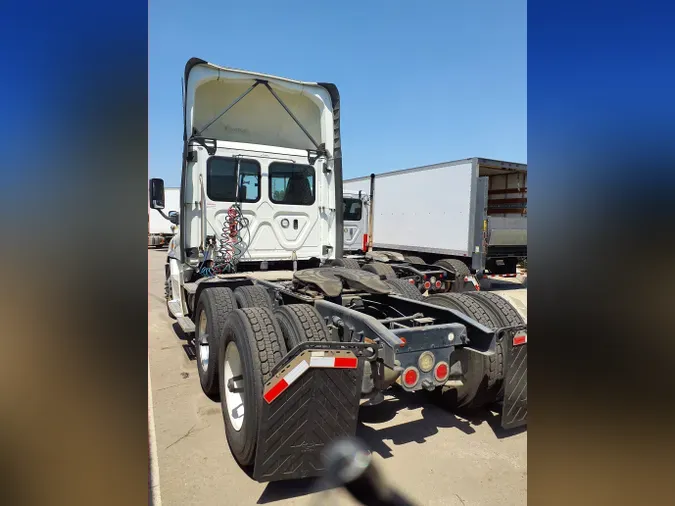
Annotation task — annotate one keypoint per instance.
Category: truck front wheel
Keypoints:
(213, 307)
(167, 291)
(251, 346)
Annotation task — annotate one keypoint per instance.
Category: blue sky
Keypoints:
(418, 84)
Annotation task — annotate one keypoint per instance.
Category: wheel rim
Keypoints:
(234, 386)
(202, 342)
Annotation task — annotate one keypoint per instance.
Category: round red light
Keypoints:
(411, 281)
(438, 284)
(410, 377)
(427, 285)
(441, 371)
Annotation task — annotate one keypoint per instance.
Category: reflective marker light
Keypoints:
(442, 371)
(519, 339)
(410, 377)
(426, 361)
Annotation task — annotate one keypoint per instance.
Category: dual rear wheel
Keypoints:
(237, 349)
(483, 375)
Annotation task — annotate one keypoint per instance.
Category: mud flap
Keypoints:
(514, 409)
(311, 400)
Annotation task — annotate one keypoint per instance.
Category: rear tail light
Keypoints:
(433, 279)
(438, 284)
(441, 371)
(411, 377)
(365, 242)
(427, 285)
(411, 281)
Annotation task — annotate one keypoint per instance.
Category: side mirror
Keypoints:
(156, 193)
(173, 217)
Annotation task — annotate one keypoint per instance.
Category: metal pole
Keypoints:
(297, 122)
(372, 212)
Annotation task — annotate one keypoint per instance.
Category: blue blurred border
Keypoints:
(72, 213)
(601, 188)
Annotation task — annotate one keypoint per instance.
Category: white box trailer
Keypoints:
(161, 230)
(473, 209)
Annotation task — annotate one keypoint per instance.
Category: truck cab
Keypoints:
(261, 170)
(355, 225)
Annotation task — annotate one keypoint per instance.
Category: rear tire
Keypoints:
(481, 373)
(414, 260)
(504, 315)
(460, 270)
(213, 308)
(253, 296)
(254, 335)
(300, 323)
(402, 287)
(381, 269)
(347, 263)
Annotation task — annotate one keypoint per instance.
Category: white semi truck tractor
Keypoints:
(290, 346)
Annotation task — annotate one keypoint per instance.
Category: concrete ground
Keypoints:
(433, 456)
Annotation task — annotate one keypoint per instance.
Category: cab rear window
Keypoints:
(221, 175)
(353, 209)
(292, 184)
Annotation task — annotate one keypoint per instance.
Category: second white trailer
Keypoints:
(473, 209)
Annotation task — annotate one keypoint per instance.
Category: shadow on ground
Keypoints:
(188, 346)
(179, 332)
(417, 431)
(281, 490)
(380, 439)
(506, 285)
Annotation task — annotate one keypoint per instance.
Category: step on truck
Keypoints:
(468, 216)
(290, 346)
